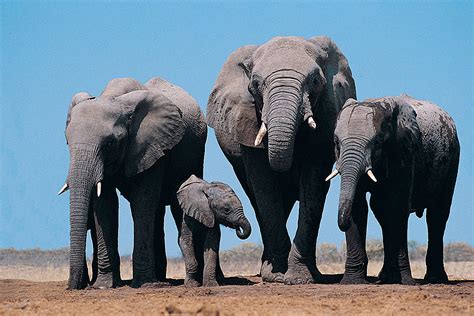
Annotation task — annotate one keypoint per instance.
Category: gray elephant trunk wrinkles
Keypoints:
(284, 100)
(351, 166)
(84, 171)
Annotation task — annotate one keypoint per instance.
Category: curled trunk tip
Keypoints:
(244, 229)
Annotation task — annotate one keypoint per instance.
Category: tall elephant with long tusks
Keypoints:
(144, 140)
(273, 109)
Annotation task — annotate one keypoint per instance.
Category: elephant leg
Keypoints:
(106, 227)
(85, 276)
(144, 200)
(239, 170)
(160, 250)
(211, 255)
(436, 218)
(270, 214)
(396, 267)
(356, 259)
(396, 233)
(312, 195)
(95, 259)
(186, 243)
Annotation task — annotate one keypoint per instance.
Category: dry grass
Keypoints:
(37, 265)
(455, 270)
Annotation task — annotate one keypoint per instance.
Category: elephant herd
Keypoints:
(283, 113)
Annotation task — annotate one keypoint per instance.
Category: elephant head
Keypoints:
(122, 132)
(211, 203)
(373, 135)
(264, 94)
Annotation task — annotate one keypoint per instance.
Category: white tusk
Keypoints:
(332, 175)
(371, 175)
(99, 188)
(311, 122)
(63, 189)
(261, 134)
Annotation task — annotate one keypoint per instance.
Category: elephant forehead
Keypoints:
(293, 54)
(96, 110)
(91, 122)
(356, 120)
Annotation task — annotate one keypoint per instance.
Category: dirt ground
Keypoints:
(240, 295)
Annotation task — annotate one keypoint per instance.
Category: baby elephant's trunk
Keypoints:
(243, 228)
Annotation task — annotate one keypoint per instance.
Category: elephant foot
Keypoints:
(269, 275)
(438, 277)
(155, 285)
(301, 270)
(210, 283)
(139, 282)
(355, 274)
(191, 282)
(407, 279)
(395, 277)
(353, 279)
(106, 281)
(78, 281)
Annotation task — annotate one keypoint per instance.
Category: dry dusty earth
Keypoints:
(241, 295)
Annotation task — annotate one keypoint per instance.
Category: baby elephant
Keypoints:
(205, 206)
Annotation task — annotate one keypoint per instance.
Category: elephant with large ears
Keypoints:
(273, 109)
(144, 140)
(405, 152)
(206, 206)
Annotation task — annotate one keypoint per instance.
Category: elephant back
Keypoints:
(192, 115)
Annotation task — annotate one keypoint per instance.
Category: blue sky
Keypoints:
(51, 50)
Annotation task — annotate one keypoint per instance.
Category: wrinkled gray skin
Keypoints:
(282, 83)
(411, 147)
(206, 206)
(144, 140)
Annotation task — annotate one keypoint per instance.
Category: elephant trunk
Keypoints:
(352, 166)
(243, 229)
(85, 171)
(284, 100)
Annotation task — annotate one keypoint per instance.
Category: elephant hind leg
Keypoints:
(436, 218)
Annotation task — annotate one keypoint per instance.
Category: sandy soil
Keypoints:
(240, 295)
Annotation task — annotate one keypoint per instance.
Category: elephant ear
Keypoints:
(155, 126)
(193, 201)
(231, 107)
(406, 131)
(340, 85)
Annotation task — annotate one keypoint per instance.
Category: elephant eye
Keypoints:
(109, 143)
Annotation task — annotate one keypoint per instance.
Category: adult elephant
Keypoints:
(144, 140)
(405, 152)
(293, 88)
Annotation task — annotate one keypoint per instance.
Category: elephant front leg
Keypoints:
(356, 259)
(186, 243)
(394, 222)
(271, 214)
(160, 249)
(302, 258)
(144, 200)
(211, 255)
(106, 230)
